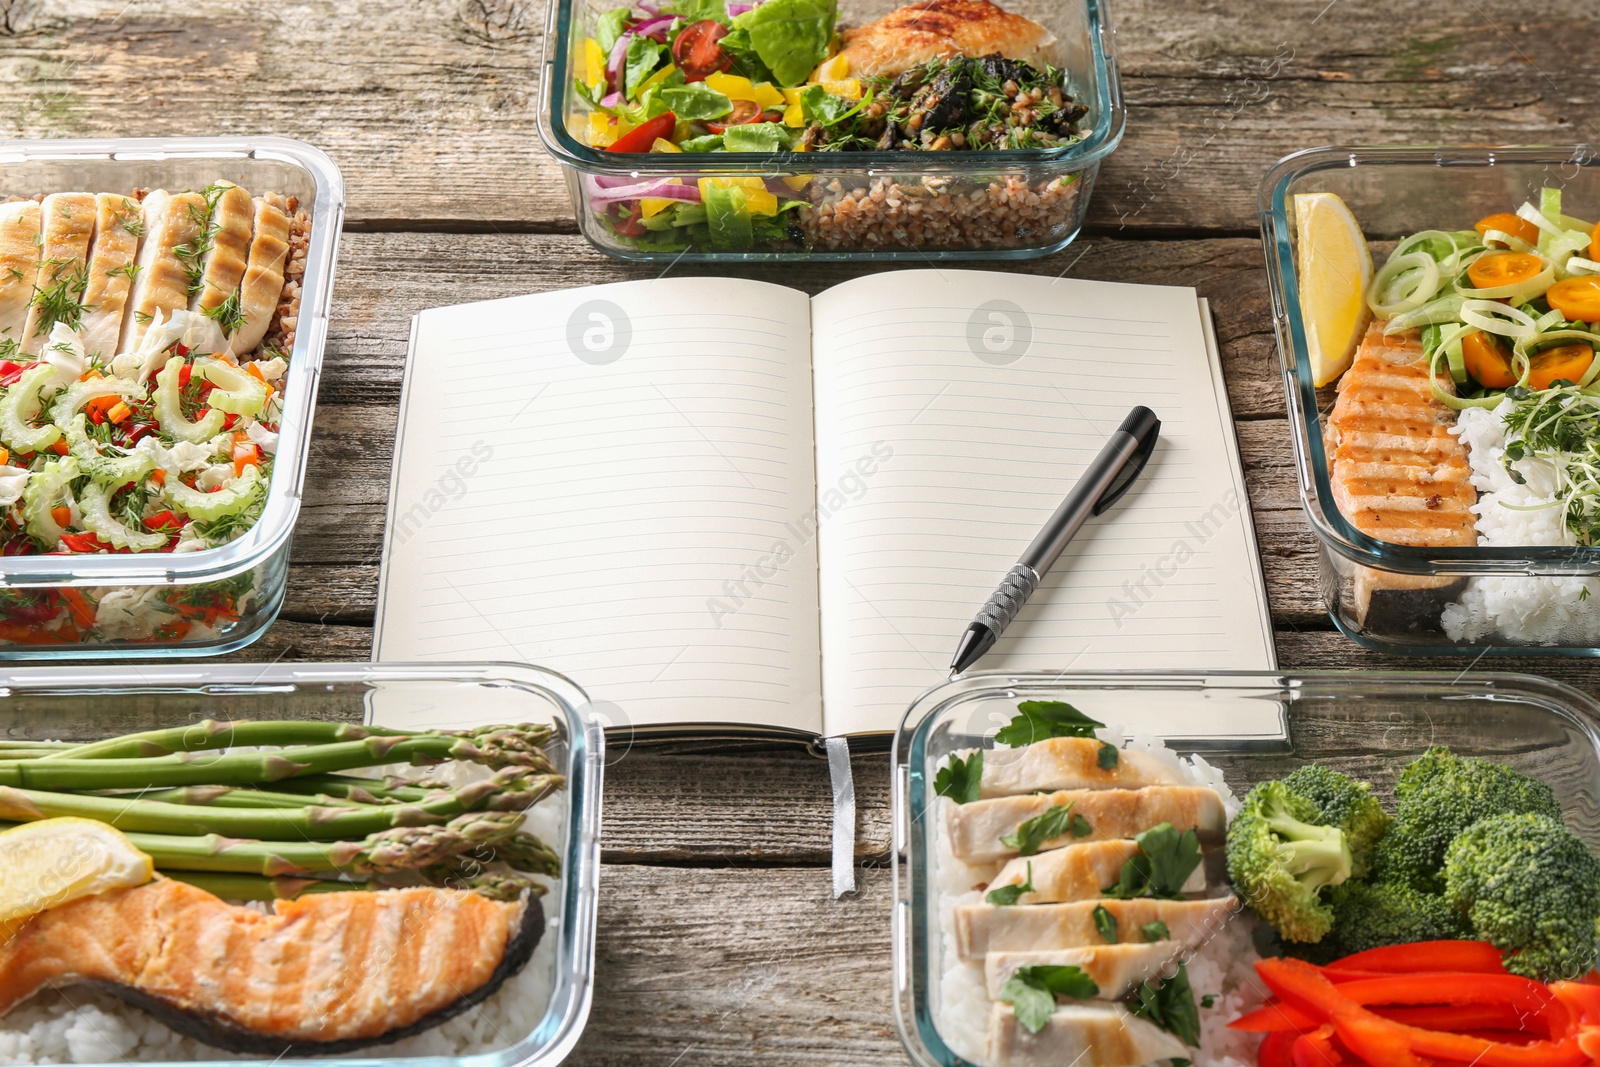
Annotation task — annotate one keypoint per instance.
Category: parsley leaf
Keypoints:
(1165, 861)
(1030, 836)
(1107, 757)
(1106, 923)
(960, 780)
(1209, 1000)
(1010, 894)
(1032, 992)
(1155, 930)
(1170, 1005)
(1039, 719)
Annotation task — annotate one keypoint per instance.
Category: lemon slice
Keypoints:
(1334, 269)
(47, 863)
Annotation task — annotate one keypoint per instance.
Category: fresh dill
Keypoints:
(192, 254)
(131, 218)
(143, 318)
(16, 274)
(9, 348)
(129, 270)
(229, 314)
(62, 301)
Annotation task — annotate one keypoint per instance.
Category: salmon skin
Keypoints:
(1398, 473)
(324, 974)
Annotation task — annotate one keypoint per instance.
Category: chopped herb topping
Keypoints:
(1162, 865)
(128, 270)
(62, 301)
(1033, 834)
(960, 780)
(1039, 719)
(229, 314)
(1010, 894)
(1106, 923)
(1170, 1004)
(1032, 992)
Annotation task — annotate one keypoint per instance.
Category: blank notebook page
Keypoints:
(615, 521)
(984, 450)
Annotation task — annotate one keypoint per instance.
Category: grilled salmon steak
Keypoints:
(326, 973)
(1398, 473)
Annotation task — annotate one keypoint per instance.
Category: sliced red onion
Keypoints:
(606, 181)
(655, 27)
(649, 7)
(614, 62)
(661, 188)
(611, 99)
(736, 9)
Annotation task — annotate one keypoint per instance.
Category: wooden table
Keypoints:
(719, 943)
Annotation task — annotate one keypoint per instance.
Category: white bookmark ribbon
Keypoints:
(844, 816)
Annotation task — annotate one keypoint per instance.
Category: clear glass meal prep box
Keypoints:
(1253, 726)
(1049, 189)
(260, 165)
(86, 703)
(1393, 192)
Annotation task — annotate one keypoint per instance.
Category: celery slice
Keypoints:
(235, 391)
(69, 400)
(169, 409)
(94, 503)
(231, 499)
(20, 406)
(43, 488)
(115, 470)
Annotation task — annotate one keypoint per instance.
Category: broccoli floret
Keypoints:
(1374, 914)
(1346, 803)
(1280, 859)
(1439, 795)
(1531, 888)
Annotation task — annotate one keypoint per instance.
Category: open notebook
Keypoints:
(713, 501)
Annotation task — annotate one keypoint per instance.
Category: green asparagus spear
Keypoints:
(212, 734)
(501, 747)
(316, 823)
(257, 887)
(524, 852)
(401, 849)
(227, 796)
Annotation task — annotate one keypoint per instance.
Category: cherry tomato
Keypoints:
(626, 219)
(744, 111)
(696, 51)
(1487, 360)
(1576, 298)
(1503, 268)
(1506, 222)
(1567, 361)
(642, 136)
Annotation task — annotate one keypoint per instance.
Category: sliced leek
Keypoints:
(1500, 319)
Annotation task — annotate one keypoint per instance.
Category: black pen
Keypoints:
(1102, 485)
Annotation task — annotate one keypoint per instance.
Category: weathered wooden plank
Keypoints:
(430, 108)
(385, 278)
(732, 967)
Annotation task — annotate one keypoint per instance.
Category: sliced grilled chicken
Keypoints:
(1070, 763)
(222, 269)
(985, 928)
(169, 260)
(1077, 872)
(19, 265)
(976, 828)
(1117, 969)
(263, 277)
(119, 221)
(66, 222)
(1082, 1035)
(1398, 473)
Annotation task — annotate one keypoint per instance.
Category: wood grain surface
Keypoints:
(719, 944)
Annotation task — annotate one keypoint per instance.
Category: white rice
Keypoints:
(1520, 610)
(80, 1025)
(1223, 965)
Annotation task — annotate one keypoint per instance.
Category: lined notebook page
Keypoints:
(629, 523)
(978, 452)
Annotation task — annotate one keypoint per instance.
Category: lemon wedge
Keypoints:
(47, 863)
(1334, 269)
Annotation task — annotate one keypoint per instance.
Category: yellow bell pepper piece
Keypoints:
(758, 199)
(651, 206)
(768, 95)
(832, 70)
(791, 96)
(736, 88)
(603, 130)
(594, 61)
(762, 203)
(661, 144)
(849, 88)
(797, 182)
(794, 115)
(656, 79)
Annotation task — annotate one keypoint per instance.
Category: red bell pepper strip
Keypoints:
(1275, 1017)
(642, 136)
(1277, 1050)
(1456, 1018)
(1455, 956)
(1317, 1049)
(1392, 1044)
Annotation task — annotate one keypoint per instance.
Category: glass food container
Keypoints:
(920, 205)
(1383, 595)
(1251, 726)
(85, 703)
(223, 598)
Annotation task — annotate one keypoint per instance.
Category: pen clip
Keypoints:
(1130, 471)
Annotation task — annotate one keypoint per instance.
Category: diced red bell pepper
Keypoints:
(187, 371)
(166, 520)
(642, 136)
(84, 542)
(10, 372)
(78, 604)
(229, 421)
